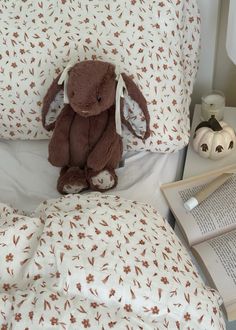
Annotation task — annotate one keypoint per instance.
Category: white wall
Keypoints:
(216, 71)
(209, 11)
(225, 70)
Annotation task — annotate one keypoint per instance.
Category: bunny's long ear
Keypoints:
(53, 103)
(134, 111)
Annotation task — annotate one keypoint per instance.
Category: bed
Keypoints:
(95, 260)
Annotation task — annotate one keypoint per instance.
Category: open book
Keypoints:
(210, 229)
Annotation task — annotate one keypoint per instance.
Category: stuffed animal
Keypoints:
(85, 106)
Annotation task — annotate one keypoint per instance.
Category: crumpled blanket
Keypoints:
(98, 262)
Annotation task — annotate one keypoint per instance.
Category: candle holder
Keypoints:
(213, 104)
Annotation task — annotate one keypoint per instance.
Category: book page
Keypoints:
(214, 216)
(219, 257)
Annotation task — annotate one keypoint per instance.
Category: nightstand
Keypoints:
(194, 164)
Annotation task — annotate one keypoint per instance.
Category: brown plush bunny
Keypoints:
(85, 142)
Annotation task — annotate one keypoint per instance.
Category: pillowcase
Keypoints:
(154, 42)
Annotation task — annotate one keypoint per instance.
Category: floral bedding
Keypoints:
(98, 262)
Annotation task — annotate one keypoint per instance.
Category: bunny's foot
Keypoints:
(71, 181)
(103, 180)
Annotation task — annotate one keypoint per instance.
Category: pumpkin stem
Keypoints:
(214, 124)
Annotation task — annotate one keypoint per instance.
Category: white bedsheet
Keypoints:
(26, 177)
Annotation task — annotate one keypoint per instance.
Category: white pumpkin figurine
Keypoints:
(213, 139)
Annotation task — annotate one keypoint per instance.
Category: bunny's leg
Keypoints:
(106, 178)
(71, 181)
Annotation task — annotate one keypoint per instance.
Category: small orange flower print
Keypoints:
(177, 325)
(167, 249)
(9, 257)
(31, 315)
(164, 280)
(145, 264)
(81, 235)
(111, 324)
(155, 126)
(128, 308)
(175, 269)
(94, 247)
(94, 305)
(90, 278)
(6, 286)
(112, 293)
(97, 231)
(88, 40)
(67, 247)
(86, 323)
(53, 297)
(109, 233)
(127, 269)
(37, 277)
(18, 317)
(214, 310)
(72, 319)
(144, 222)
(155, 310)
(54, 321)
(187, 317)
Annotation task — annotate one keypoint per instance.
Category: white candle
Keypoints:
(213, 104)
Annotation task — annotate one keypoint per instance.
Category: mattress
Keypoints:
(27, 178)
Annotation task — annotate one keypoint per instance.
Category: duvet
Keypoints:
(98, 262)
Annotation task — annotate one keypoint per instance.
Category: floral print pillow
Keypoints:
(156, 42)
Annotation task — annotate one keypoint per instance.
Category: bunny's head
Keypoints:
(90, 87)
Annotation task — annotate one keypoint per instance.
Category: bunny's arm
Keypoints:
(59, 146)
(103, 150)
